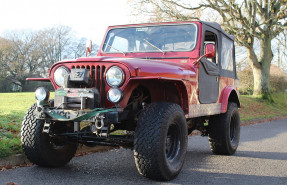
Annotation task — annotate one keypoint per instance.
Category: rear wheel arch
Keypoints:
(228, 94)
(233, 97)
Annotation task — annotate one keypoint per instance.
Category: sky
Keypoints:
(88, 18)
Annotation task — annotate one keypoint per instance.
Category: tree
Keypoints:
(23, 56)
(281, 47)
(5, 48)
(27, 53)
(249, 20)
(78, 48)
(55, 43)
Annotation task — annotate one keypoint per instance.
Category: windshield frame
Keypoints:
(151, 25)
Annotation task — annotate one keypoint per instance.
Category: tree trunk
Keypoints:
(261, 77)
(257, 79)
(261, 69)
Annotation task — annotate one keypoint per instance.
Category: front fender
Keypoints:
(176, 93)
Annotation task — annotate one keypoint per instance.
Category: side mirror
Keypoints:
(209, 53)
(210, 50)
(88, 47)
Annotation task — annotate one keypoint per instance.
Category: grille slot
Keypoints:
(98, 78)
(103, 93)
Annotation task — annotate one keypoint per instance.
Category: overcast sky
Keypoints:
(88, 18)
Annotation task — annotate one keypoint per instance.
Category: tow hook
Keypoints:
(99, 127)
(100, 124)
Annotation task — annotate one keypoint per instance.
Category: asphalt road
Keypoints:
(261, 158)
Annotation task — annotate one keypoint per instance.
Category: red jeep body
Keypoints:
(156, 81)
(186, 85)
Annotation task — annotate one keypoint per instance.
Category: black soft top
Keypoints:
(216, 26)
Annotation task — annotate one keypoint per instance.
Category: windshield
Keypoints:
(160, 38)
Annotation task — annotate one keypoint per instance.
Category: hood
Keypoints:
(148, 68)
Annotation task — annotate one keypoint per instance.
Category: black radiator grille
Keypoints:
(98, 80)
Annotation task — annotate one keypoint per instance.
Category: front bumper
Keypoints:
(81, 115)
(98, 133)
(75, 104)
(107, 115)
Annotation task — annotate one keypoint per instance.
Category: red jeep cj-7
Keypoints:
(156, 83)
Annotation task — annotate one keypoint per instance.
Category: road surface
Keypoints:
(261, 158)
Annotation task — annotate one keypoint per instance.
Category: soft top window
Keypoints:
(151, 39)
(226, 54)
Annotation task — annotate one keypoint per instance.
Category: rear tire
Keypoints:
(224, 131)
(39, 147)
(160, 141)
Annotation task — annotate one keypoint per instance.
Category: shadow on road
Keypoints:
(255, 162)
(262, 155)
(118, 168)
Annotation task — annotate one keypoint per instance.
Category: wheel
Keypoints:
(39, 147)
(224, 131)
(160, 141)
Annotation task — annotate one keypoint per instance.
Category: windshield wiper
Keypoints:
(115, 49)
(154, 46)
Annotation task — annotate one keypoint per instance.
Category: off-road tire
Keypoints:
(157, 157)
(224, 131)
(38, 146)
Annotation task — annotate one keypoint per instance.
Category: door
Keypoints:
(208, 77)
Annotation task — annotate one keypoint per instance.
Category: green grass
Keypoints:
(13, 107)
(254, 108)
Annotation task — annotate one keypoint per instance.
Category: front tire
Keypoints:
(160, 141)
(39, 147)
(224, 131)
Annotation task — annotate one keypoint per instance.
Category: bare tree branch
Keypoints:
(250, 21)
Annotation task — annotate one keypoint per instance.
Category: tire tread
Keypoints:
(218, 138)
(147, 139)
(34, 143)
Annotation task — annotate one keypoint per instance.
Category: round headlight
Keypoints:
(115, 95)
(42, 94)
(115, 76)
(59, 75)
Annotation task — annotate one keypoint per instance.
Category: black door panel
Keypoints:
(208, 82)
(210, 67)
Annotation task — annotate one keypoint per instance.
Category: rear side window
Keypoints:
(226, 54)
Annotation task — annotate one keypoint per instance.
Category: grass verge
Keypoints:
(14, 106)
(255, 108)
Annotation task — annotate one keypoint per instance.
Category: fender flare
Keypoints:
(229, 93)
(135, 82)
